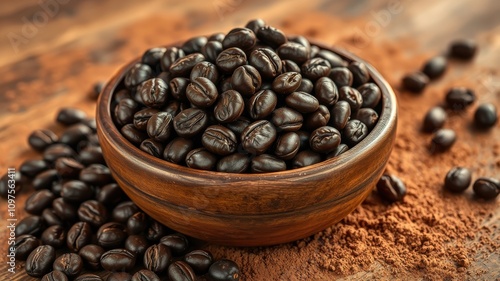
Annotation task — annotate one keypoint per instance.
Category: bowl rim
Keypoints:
(387, 119)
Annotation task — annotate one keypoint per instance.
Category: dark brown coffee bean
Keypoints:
(91, 256)
(271, 36)
(457, 179)
(5, 188)
(33, 167)
(287, 83)
(92, 277)
(69, 116)
(41, 139)
(93, 212)
(199, 261)
(39, 262)
(152, 147)
(125, 110)
(246, 80)
(201, 92)
(486, 188)
(287, 119)
(326, 92)
(289, 66)
(306, 86)
(391, 188)
(464, 49)
(359, 72)
(177, 149)
(24, 245)
(434, 119)
(157, 258)
(123, 211)
(121, 94)
(79, 235)
(55, 275)
(219, 140)
(306, 158)
(137, 74)
(132, 134)
(352, 96)
(266, 163)
(224, 270)
(239, 125)
(340, 114)
(137, 245)
(183, 66)
(110, 194)
(119, 276)
(442, 140)
(76, 191)
(260, 135)
(255, 25)
(153, 92)
(155, 231)
(118, 260)
(45, 179)
(194, 45)
(302, 102)
(262, 104)
(371, 94)
(145, 275)
(368, 116)
(171, 55)
(435, 67)
(229, 107)
(201, 158)
(190, 122)
(181, 271)
(459, 98)
(32, 225)
(230, 59)
(111, 235)
(317, 119)
(137, 223)
(205, 69)
(316, 68)
(294, 51)
(211, 50)
(50, 217)
(54, 236)
(341, 76)
(242, 38)
(75, 134)
(96, 174)
(339, 150)
(70, 264)
(234, 163)
(159, 126)
(354, 132)
(332, 58)
(64, 210)
(324, 139)
(38, 201)
(153, 56)
(415, 82)
(485, 116)
(91, 155)
(266, 61)
(287, 145)
(68, 167)
(304, 139)
(177, 242)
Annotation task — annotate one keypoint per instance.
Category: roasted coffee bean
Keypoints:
(5, 186)
(463, 49)
(64, 210)
(371, 94)
(262, 104)
(119, 276)
(289, 66)
(316, 68)
(118, 260)
(306, 158)
(239, 125)
(219, 36)
(294, 51)
(33, 167)
(125, 110)
(352, 96)
(54, 236)
(91, 155)
(111, 235)
(137, 74)
(246, 80)
(354, 132)
(70, 264)
(50, 217)
(442, 140)
(190, 122)
(75, 134)
(121, 94)
(153, 92)
(325, 91)
(145, 275)
(137, 223)
(132, 134)
(255, 25)
(76, 191)
(302, 102)
(341, 76)
(229, 107)
(111, 194)
(45, 179)
(234, 163)
(199, 261)
(266, 163)
(486, 188)
(181, 271)
(41, 139)
(165, 76)
(92, 277)
(242, 38)
(360, 74)
(123, 211)
(219, 140)
(136, 244)
(211, 50)
(306, 86)
(340, 114)
(68, 167)
(304, 139)
(177, 149)
(157, 258)
(260, 135)
(58, 150)
(415, 82)
(391, 188)
(266, 61)
(287, 145)
(368, 116)
(224, 270)
(457, 179)
(201, 158)
(155, 231)
(286, 119)
(91, 256)
(96, 174)
(332, 58)
(177, 242)
(171, 55)
(194, 44)
(435, 67)
(230, 59)
(271, 36)
(79, 235)
(178, 87)
(485, 115)
(159, 126)
(183, 66)
(69, 116)
(38, 201)
(317, 119)
(287, 83)
(302, 41)
(205, 69)
(339, 150)
(324, 139)
(434, 119)
(153, 56)
(55, 275)
(39, 262)
(32, 225)
(93, 212)
(24, 245)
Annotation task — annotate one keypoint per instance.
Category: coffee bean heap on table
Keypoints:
(81, 221)
(252, 100)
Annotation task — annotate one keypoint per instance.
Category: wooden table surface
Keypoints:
(50, 55)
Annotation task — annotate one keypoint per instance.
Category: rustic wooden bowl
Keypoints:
(249, 209)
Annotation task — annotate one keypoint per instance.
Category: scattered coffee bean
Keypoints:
(123, 211)
(485, 115)
(391, 188)
(39, 261)
(31, 168)
(434, 119)
(38, 201)
(415, 82)
(457, 179)
(459, 98)
(224, 270)
(41, 139)
(54, 236)
(199, 261)
(435, 67)
(442, 140)
(24, 245)
(69, 116)
(32, 225)
(486, 188)
(463, 49)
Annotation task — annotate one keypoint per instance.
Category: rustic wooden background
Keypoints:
(50, 55)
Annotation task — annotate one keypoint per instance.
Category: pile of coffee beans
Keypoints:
(458, 179)
(251, 100)
(81, 221)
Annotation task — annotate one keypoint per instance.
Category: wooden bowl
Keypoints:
(249, 209)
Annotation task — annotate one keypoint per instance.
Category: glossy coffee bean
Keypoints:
(246, 80)
(457, 179)
(24, 245)
(39, 261)
(20, 181)
(93, 212)
(145, 275)
(75, 134)
(58, 150)
(287, 145)
(152, 147)
(262, 104)
(315, 68)
(219, 140)
(234, 163)
(340, 114)
(155, 231)
(218, 36)
(171, 55)
(260, 135)
(137, 223)
(55, 275)
(485, 116)
(160, 126)
(153, 92)
(294, 51)
(70, 264)
(91, 277)
(153, 56)
(352, 96)
(255, 25)
(229, 107)
(306, 86)
(118, 260)
(435, 67)
(123, 211)
(79, 235)
(132, 134)
(125, 110)
(339, 150)
(205, 69)
(341, 76)
(91, 256)
(119, 276)
(157, 258)
(266, 61)
(287, 82)
(238, 125)
(190, 122)
(359, 72)
(69, 116)
(371, 94)
(96, 174)
(271, 36)
(181, 271)
(332, 58)
(286, 119)
(177, 242)
(45, 179)
(136, 244)
(178, 86)
(230, 59)
(317, 119)
(199, 261)
(464, 49)
(354, 132)
(111, 235)
(32, 225)
(224, 270)
(51, 218)
(31, 168)
(76, 191)
(177, 149)
(324, 139)
(137, 74)
(183, 66)
(201, 92)
(110, 195)
(194, 45)
(201, 158)
(211, 50)
(54, 236)
(91, 155)
(302, 102)
(391, 188)
(289, 66)
(368, 116)
(64, 210)
(68, 167)
(486, 188)
(38, 201)
(306, 158)
(266, 163)
(325, 91)
(41, 139)
(242, 38)
(121, 94)
(415, 82)
(434, 119)
(442, 140)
